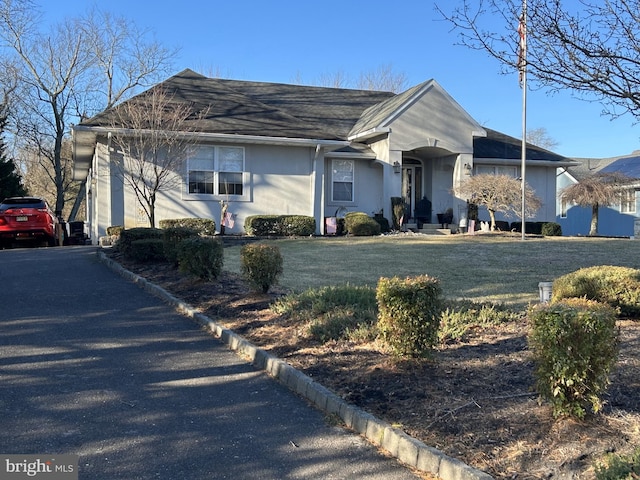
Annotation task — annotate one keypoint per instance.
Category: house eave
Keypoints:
(84, 139)
(372, 132)
(518, 162)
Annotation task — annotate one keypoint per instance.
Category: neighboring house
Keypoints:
(291, 149)
(616, 220)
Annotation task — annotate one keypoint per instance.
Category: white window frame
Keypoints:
(628, 201)
(197, 163)
(338, 177)
(511, 171)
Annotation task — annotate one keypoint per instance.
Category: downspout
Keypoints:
(314, 170)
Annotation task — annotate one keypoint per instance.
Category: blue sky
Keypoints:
(285, 40)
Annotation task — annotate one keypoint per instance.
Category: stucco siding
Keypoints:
(434, 121)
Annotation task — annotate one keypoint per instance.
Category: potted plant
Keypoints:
(446, 217)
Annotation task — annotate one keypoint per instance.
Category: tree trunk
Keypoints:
(492, 216)
(594, 220)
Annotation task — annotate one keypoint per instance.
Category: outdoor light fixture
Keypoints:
(396, 167)
(467, 169)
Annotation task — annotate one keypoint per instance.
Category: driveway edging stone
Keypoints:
(394, 441)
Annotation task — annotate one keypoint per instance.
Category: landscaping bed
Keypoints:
(473, 400)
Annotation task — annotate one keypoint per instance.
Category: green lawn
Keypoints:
(481, 267)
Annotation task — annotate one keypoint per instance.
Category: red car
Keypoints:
(27, 218)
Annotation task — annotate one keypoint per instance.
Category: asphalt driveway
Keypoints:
(91, 365)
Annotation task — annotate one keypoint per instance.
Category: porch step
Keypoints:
(429, 229)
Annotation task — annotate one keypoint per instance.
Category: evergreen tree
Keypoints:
(10, 179)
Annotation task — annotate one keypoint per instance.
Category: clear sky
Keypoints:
(289, 40)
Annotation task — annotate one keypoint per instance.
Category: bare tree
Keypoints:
(540, 138)
(499, 193)
(151, 135)
(78, 66)
(381, 79)
(590, 47)
(597, 190)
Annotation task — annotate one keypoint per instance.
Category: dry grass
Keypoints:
(496, 268)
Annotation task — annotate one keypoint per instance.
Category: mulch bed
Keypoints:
(473, 400)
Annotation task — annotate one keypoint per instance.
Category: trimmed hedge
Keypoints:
(575, 346)
(201, 256)
(280, 225)
(147, 250)
(551, 229)
(261, 265)
(172, 236)
(360, 224)
(409, 312)
(615, 286)
(204, 226)
(128, 236)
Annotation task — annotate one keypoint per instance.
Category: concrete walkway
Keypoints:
(92, 365)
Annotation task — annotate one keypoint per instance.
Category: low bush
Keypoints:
(115, 230)
(532, 228)
(201, 256)
(383, 222)
(502, 226)
(146, 250)
(280, 225)
(551, 229)
(360, 224)
(204, 226)
(615, 286)
(171, 237)
(261, 265)
(130, 235)
(459, 317)
(574, 345)
(619, 467)
(409, 313)
(342, 312)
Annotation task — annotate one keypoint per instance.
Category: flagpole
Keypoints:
(523, 75)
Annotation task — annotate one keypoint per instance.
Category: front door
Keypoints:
(411, 185)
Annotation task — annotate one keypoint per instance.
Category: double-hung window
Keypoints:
(216, 170)
(230, 167)
(342, 180)
(201, 171)
(628, 201)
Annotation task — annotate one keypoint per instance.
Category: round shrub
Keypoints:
(201, 257)
(261, 265)
(551, 229)
(146, 250)
(360, 224)
(204, 226)
(575, 346)
(130, 235)
(615, 286)
(171, 237)
(409, 312)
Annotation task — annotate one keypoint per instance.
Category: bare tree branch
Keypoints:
(590, 47)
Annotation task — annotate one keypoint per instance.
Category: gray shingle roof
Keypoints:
(499, 145)
(266, 109)
(628, 165)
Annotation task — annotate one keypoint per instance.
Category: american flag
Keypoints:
(522, 46)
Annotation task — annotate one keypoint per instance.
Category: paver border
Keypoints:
(394, 441)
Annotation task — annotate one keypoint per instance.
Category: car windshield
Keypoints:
(10, 203)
